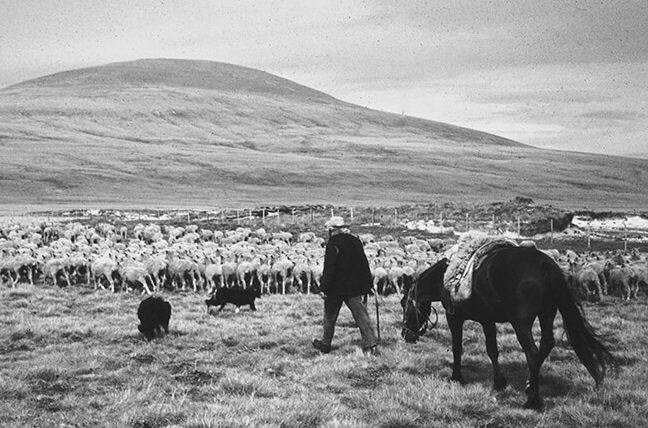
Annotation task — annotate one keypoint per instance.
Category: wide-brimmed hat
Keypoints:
(335, 221)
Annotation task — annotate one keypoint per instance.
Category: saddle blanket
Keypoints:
(465, 258)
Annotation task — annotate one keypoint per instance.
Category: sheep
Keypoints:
(18, 266)
(301, 272)
(214, 274)
(380, 277)
(78, 266)
(282, 236)
(622, 278)
(307, 237)
(123, 232)
(57, 267)
(599, 268)
(317, 269)
(642, 277)
(104, 266)
(229, 271)
(179, 269)
(175, 233)
(135, 272)
(396, 279)
(282, 271)
(245, 272)
(206, 235)
(156, 267)
(366, 238)
(191, 237)
(587, 282)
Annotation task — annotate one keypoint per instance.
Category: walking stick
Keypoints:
(377, 315)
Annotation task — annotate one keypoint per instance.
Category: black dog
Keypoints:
(154, 314)
(236, 296)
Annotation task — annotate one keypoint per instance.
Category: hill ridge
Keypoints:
(202, 74)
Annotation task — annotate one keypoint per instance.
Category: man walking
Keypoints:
(345, 279)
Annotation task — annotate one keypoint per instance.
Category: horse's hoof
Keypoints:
(534, 404)
(500, 383)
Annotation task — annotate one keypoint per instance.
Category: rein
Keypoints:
(426, 322)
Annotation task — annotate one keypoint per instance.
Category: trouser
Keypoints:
(332, 305)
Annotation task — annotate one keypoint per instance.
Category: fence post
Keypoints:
(467, 222)
(395, 216)
(551, 224)
(625, 238)
(332, 214)
(373, 215)
(588, 236)
(238, 220)
(518, 230)
(351, 214)
(188, 217)
(311, 215)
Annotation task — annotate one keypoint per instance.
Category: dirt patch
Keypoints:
(144, 358)
(369, 377)
(157, 420)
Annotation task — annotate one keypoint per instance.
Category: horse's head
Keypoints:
(417, 302)
(416, 315)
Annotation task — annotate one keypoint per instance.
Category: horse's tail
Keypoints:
(590, 347)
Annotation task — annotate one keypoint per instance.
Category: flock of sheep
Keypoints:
(151, 257)
(593, 275)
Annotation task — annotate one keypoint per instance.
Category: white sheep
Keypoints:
(282, 271)
(134, 272)
(103, 266)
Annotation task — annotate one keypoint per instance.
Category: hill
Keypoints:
(200, 134)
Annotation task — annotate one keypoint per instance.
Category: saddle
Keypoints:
(467, 258)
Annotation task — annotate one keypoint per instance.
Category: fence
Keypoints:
(516, 220)
(424, 218)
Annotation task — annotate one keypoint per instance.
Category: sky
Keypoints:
(558, 74)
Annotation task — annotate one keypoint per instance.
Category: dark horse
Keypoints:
(516, 285)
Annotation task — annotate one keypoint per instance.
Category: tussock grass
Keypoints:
(69, 357)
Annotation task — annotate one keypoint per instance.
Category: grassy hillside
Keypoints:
(171, 133)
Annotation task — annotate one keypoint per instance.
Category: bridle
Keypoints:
(412, 298)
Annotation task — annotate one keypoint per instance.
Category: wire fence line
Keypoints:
(524, 221)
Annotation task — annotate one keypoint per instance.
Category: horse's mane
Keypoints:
(429, 279)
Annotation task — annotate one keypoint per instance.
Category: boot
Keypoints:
(321, 346)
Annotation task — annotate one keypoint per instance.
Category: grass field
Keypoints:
(74, 357)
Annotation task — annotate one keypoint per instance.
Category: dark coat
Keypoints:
(346, 269)
(154, 314)
(235, 296)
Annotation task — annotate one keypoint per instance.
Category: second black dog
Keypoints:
(154, 314)
(236, 296)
